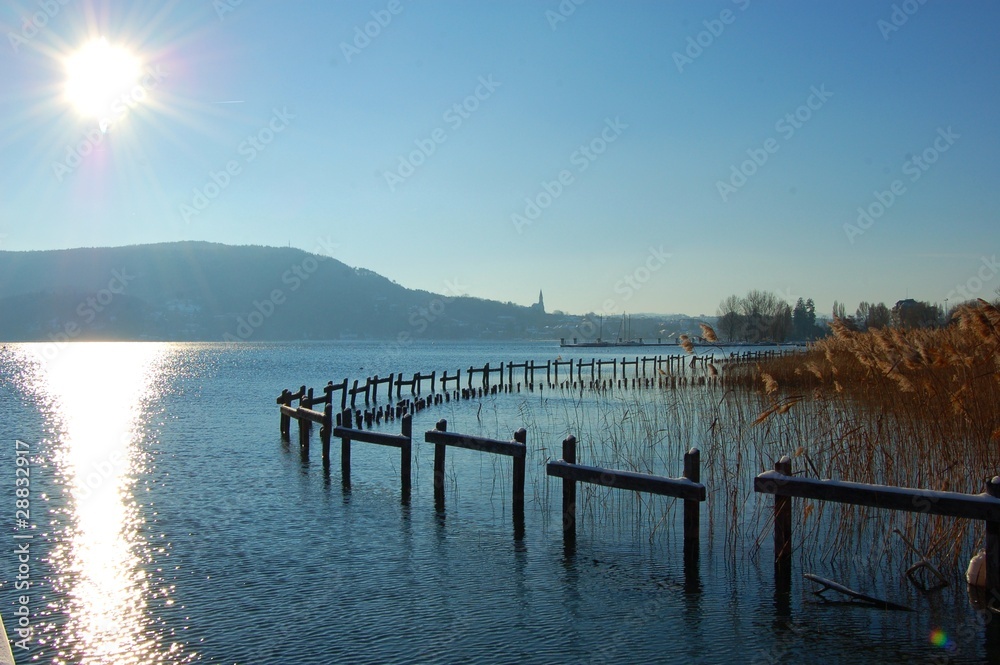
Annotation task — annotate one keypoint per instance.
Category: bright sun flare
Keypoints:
(97, 75)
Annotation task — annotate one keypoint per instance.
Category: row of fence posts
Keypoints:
(781, 482)
(483, 386)
(371, 386)
(688, 487)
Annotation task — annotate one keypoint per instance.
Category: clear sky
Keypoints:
(636, 156)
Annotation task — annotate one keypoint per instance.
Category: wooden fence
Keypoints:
(784, 486)
(403, 441)
(516, 449)
(780, 482)
(688, 488)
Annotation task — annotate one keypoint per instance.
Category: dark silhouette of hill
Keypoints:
(209, 291)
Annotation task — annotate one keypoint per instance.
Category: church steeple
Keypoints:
(541, 302)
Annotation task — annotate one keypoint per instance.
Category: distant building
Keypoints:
(540, 305)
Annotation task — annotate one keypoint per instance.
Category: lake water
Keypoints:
(170, 523)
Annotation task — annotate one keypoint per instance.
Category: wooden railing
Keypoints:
(784, 486)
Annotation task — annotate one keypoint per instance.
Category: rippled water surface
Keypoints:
(170, 523)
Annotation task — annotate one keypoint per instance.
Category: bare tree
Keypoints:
(730, 322)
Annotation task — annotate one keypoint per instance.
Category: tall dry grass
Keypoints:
(912, 408)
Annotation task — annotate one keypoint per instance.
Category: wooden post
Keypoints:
(406, 457)
(345, 450)
(783, 523)
(303, 435)
(326, 433)
(569, 492)
(284, 400)
(439, 453)
(692, 509)
(993, 546)
(521, 436)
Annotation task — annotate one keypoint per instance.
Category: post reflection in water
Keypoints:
(99, 393)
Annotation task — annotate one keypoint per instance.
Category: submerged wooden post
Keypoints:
(439, 453)
(308, 402)
(406, 457)
(345, 449)
(521, 436)
(783, 522)
(304, 424)
(569, 492)
(284, 400)
(326, 432)
(993, 545)
(692, 509)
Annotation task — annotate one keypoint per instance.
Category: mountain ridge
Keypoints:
(197, 290)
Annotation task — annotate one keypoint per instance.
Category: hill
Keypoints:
(209, 291)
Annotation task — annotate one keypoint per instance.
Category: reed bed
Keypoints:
(913, 408)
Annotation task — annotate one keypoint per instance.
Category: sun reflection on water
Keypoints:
(99, 394)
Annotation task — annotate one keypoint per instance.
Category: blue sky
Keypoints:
(632, 126)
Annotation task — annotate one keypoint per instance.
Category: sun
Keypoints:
(99, 74)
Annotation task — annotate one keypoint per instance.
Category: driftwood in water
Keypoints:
(839, 588)
(923, 562)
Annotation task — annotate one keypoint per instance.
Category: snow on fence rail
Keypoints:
(784, 486)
